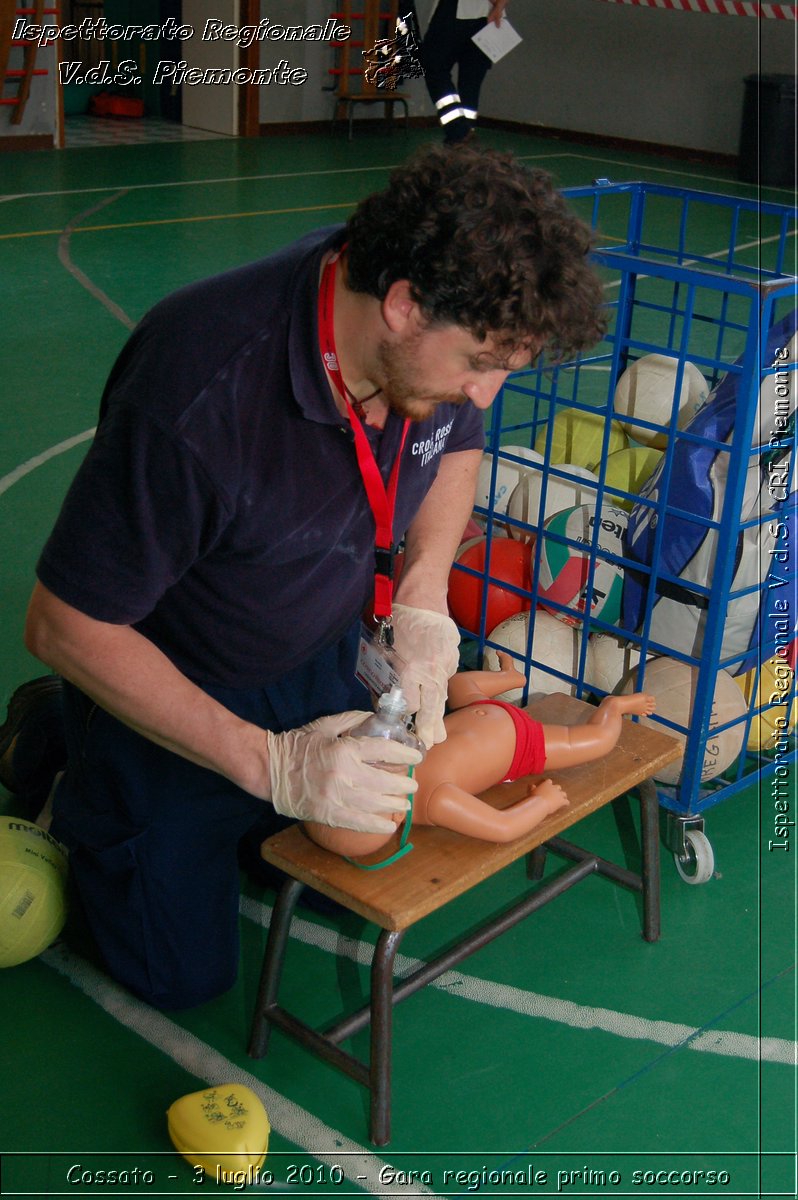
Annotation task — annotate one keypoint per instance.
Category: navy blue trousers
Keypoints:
(154, 839)
(446, 45)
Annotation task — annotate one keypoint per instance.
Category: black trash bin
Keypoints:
(767, 136)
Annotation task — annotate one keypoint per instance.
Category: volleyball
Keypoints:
(496, 497)
(554, 644)
(608, 661)
(770, 692)
(564, 569)
(578, 437)
(33, 907)
(525, 502)
(509, 564)
(647, 392)
(626, 471)
(674, 685)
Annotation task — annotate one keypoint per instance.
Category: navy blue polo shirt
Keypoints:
(220, 509)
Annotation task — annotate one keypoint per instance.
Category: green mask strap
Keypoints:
(404, 845)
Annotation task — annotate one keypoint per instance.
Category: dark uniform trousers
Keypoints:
(154, 840)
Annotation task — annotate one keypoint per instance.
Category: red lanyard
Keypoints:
(382, 500)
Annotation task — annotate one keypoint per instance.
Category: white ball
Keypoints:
(507, 476)
(553, 643)
(646, 391)
(674, 685)
(608, 661)
(525, 502)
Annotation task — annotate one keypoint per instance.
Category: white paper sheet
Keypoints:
(497, 40)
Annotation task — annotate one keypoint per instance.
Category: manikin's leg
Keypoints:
(452, 808)
(467, 687)
(569, 745)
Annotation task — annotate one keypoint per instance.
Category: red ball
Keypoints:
(510, 563)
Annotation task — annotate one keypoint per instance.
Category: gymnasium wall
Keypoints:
(649, 74)
(586, 66)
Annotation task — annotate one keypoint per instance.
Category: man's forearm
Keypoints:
(127, 675)
(435, 534)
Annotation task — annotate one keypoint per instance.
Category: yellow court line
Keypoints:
(265, 212)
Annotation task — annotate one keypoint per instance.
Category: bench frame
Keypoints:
(287, 851)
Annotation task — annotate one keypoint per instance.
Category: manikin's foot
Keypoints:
(638, 704)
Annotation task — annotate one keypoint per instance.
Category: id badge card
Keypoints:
(379, 667)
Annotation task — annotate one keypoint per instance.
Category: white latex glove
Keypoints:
(429, 643)
(319, 774)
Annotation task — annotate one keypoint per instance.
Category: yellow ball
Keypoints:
(33, 907)
(577, 437)
(773, 690)
(627, 470)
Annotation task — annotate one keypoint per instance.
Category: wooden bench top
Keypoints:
(442, 864)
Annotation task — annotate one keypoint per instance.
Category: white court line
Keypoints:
(9, 480)
(287, 174)
(176, 183)
(38, 460)
(80, 277)
(221, 179)
(691, 262)
(550, 1008)
(617, 162)
(291, 1121)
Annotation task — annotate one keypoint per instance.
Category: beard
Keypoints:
(402, 385)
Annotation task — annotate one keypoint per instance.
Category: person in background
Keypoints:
(448, 44)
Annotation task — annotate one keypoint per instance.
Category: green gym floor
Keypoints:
(567, 1056)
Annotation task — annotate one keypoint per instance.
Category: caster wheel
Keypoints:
(698, 861)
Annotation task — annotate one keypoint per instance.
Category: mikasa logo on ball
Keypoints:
(565, 585)
(35, 832)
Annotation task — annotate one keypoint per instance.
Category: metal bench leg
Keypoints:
(649, 845)
(381, 1035)
(273, 965)
(536, 863)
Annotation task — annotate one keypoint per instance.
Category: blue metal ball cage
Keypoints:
(707, 292)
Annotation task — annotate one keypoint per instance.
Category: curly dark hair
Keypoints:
(486, 244)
